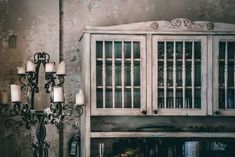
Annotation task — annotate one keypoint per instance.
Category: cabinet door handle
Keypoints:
(155, 111)
(217, 112)
(143, 112)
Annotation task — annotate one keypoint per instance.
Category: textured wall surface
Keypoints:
(36, 24)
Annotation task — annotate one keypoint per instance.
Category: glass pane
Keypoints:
(179, 98)
(179, 50)
(118, 49)
(170, 102)
(136, 47)
(99, 97)
(118, 98)
(231, 74)
(127, 49)
(137, 97)
(231, 49)
(188, 73)
(160, 74)
(222, 50)
(197, 98)
(108, 98)
(230, 99)
(169, 74)
(188, 50)
(137, 75)
(99, 49)
(188, 98)
(178, 73)
(197, 50)
(221, 99)
(99, 75)
(127, 98)
(160, 50)
(108, 49)
(160, 98)
(108, 75)
(170, 47)
(197, 74)
(221, 73)
(118, 74)
(127, 74)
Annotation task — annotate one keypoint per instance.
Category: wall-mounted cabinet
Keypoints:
(158, 68)
(224, 75)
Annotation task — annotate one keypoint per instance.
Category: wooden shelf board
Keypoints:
(163, 134)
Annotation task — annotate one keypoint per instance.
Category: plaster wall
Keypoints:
(36, 24)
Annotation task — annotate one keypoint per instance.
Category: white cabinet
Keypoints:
(157, 68)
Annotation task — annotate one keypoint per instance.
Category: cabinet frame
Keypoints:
(216, 111)
(180, 111)
(175, 27)
(143, 87)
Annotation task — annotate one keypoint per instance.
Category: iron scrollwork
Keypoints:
(25, 114)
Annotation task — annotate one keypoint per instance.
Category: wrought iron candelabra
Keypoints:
(25, 113)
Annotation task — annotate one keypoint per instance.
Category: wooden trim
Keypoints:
(116, 111)
(210, 74)
(163, 134)
(85, 119)
(149, 83)
(178, 24)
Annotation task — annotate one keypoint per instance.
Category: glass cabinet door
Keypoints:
(224, 75)
(179, 81)
(118, 74)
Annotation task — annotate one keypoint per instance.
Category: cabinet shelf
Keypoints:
(163, 134)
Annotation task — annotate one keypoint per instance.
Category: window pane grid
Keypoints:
(226, 75)
(118, 74)
(179, 74)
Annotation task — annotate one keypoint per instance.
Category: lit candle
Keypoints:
(31, 67)
(21, 69)
(50, 67)
(58, 94)
(61, 68)
(80, 98)
(15, 93)
(4, 97)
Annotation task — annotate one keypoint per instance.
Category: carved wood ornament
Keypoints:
(181, 23)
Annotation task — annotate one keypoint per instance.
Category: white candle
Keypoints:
(4, 97)
(58, 94)
(31, 67)
(50, 67)
(21, 69)
(15, 93)
(80, 98)
(61, 68)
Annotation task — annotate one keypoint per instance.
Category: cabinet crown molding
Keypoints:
(175, 25)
